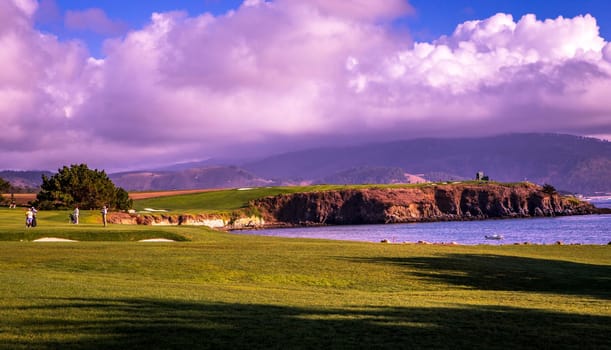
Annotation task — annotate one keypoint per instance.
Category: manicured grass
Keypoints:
(227, 200)
(222, 290)
(210, 201)
(56, 224)
(231, 291)
(222, 200)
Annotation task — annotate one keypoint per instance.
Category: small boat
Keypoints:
(496, 237)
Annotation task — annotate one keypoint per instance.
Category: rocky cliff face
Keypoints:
(212, 221)
(418, 204)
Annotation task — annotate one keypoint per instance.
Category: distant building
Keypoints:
(481, 177)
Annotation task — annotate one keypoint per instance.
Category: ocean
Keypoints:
(582, 229)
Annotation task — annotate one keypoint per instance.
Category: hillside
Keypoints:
(370, 175)
(24, 179)
(207, 177)
(571, 163)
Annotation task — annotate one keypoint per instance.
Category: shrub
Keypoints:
(549, 189)
(77, 185)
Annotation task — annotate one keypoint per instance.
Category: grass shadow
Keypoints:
(508, 273)
(161, 324)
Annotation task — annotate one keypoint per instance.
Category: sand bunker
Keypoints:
(154, 210)
(53, 239)
(156, 240)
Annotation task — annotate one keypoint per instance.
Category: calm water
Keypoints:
(587, 229)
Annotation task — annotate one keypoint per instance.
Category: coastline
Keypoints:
(568, 230)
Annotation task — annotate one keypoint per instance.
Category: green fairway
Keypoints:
(226, 200)
(213, 289)
(221, 200)
(56, 224)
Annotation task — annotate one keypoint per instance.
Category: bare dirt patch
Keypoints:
(20, 198)
(23, 198)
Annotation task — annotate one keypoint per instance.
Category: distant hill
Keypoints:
(179, 179)
(206, 177)
(370, 175)
(572, 163)
(208, 163)
(27, 180)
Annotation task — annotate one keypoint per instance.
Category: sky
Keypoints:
(125, 85)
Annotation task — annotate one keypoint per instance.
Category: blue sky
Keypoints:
(440, 17)
(431, 19)
(135, 14)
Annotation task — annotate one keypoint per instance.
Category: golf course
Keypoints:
(208, 289)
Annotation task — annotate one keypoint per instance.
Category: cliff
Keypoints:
(417, 204)
(210, 220)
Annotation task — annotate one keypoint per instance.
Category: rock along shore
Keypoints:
(451, 202)
(383, 205)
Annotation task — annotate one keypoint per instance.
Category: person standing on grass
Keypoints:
(75, 214)
(104, 211)
(29, 216)
(34, 212)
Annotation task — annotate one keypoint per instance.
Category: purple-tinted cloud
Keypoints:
(355, 9)
(289, 74)
(94, 20)
(48, 12)
(39, 82)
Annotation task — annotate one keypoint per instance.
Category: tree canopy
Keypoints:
(549, 189)
(80, 186)
(5, 186)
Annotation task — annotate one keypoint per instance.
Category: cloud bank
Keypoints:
(282, 74)
(95, 20)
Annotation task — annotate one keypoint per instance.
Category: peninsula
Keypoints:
(374, 204)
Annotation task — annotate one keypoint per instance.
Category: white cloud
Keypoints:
(289, 71)
(607, 52)
(94, 20)
(27, 7)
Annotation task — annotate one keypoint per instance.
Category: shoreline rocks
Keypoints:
(211, 220)
(382, 205)
(455, 202)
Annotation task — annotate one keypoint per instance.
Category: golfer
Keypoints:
(104, 211)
